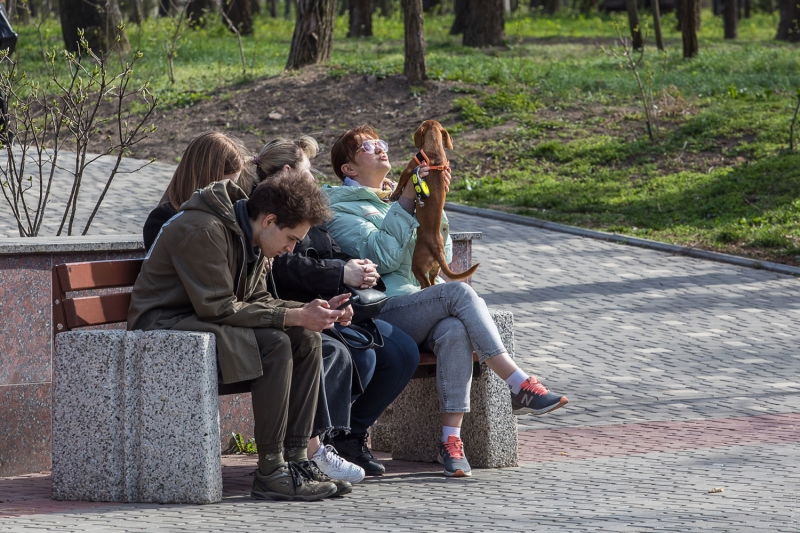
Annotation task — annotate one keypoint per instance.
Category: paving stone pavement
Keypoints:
(683, 376)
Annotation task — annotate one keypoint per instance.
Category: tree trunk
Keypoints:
(657, 25)
(462, 12)
(255, 7)
(386, 7)
(360, 18)
(197, 12)
(551, 7)
(730, 18)
(747, 8)
(587, 7)
(98, 18)
(427, 5)
(288, 9)
(239, 11)
(789, 26)
(637, 41)
(272, 7)
(414, 66)
(313, 33)
(689, 27)
(485, 23)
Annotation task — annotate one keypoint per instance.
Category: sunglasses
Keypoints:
(370, 145)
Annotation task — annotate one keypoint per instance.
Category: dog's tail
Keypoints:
(449, 273)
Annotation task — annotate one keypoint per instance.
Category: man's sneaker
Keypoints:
(534, 398)
(342, 487)
(354, 448)
(451, 455)
(290, 482)
(335, 467)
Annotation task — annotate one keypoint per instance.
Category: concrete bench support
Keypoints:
(489, 430)
(136, 417)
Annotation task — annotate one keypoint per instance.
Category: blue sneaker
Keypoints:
(451, 455)
(534, 398)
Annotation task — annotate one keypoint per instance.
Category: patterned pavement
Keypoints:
(683, 377)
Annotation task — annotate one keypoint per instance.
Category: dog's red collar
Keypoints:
(422, 159)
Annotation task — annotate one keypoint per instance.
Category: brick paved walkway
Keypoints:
(683, 376)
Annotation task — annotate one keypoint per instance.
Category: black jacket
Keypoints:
(314, 270)
(154, 221)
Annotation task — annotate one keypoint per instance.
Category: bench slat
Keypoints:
(96, 310)
(98, 274)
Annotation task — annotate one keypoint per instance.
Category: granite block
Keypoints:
(489, 430)
(380, 434)
(24, 428)
(462, 258)
(135, 417)
(24, 330)
(235, 416)
(83, 243)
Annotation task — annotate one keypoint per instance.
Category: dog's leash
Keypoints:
(420, 186)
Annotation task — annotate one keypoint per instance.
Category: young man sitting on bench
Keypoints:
(206, 272)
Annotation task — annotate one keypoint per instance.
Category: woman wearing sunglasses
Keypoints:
(447, 318)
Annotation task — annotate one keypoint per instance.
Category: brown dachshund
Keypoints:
(430, 138)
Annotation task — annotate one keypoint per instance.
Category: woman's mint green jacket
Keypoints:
(366, 227)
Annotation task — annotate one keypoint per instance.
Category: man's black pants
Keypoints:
(285, 397)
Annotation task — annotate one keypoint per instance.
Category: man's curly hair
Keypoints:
(293, 197)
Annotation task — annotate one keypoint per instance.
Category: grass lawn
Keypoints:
(551, 125)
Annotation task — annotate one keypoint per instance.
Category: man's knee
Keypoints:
(273, 344)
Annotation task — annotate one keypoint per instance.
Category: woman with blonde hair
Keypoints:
(210, 157)
(319, 269)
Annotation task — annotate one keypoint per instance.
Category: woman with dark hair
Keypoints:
(449, 319)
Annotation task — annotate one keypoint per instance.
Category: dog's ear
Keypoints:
(419, 136)
(446, 139)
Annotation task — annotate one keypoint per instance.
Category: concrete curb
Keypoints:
(624, 239)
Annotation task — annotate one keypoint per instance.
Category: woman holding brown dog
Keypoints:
(449, 319)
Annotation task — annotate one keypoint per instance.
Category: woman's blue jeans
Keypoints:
(384, 373)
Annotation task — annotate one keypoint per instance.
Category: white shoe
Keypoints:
(335, 467)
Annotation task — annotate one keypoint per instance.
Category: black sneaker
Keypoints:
(342, 487)
(451, 455)
(353, 448)
(290, 482)
(534, 398)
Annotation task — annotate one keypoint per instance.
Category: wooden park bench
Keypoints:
(135, 414)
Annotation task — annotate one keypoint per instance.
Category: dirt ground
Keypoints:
(310, 103)
(317, 104)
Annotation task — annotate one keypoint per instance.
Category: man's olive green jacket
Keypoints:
(195, 278)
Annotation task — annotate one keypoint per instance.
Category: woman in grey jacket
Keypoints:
(447, 318)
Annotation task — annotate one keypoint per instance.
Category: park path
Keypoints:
(683, 376)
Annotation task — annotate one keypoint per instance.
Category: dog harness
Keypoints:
(422, 159)
(420, 187)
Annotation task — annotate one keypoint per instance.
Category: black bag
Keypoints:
(367, 303)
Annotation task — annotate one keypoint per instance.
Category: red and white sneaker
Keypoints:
(534, 398)
(451, 455)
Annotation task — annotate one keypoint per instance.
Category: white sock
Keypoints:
(450, 430)
(516, 380)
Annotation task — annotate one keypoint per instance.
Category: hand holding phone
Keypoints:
(353, 298)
